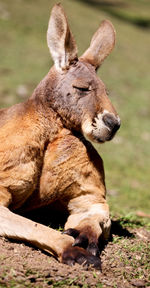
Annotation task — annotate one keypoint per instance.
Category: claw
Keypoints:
(93, 249)
(71, 232)
(81, 241)
(94, 261)
(70, 262)
(79, 255)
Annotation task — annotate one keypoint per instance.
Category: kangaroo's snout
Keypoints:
(103, 127)
(112, 122)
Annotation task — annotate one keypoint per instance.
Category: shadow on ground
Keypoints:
(56, 220)
(111, 7)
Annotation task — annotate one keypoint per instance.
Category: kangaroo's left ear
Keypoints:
(60, 40)
(101, 45)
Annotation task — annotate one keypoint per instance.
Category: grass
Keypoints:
(132, 221)
(133, 256)
(25, 60)
(50, 283)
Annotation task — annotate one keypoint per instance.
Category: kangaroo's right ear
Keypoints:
(60, 40)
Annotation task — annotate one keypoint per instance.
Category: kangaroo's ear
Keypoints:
(60, 40)
(101, 45)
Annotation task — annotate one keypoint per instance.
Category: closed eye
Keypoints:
(82, 89)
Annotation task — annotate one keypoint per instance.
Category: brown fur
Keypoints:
(44, 156)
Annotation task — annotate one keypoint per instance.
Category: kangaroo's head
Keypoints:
(78, 95)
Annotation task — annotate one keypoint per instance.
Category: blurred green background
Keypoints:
(25, 59)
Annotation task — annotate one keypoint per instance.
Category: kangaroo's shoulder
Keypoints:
(9, 114)
(17, 125)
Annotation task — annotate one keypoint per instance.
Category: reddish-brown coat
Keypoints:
(44, 152)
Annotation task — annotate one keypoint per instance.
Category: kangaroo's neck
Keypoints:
(48, 120)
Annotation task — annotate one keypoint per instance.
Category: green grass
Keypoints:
(133, 221)
(25, 60)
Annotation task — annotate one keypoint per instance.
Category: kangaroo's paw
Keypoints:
(81, 256)
(86, 239)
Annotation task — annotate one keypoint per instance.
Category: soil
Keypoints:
(125, 263)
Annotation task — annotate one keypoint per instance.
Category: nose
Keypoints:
(112, 122)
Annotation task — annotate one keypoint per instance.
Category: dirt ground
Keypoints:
(125, 263)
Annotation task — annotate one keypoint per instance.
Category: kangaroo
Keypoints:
(46, 152)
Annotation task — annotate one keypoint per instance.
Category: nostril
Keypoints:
(116, 127)
(108, 120)
(111, 122)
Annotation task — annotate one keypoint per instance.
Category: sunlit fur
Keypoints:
(45, 151)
